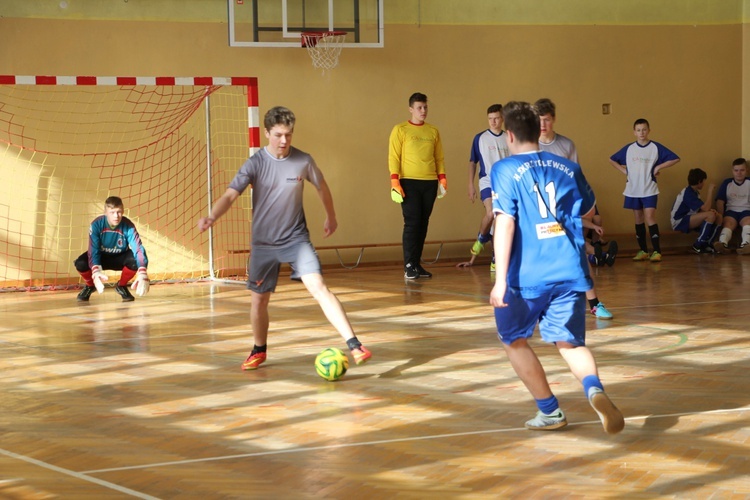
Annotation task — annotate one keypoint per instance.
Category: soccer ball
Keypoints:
(331, 364)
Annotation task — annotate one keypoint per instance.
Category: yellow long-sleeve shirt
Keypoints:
(415, 152)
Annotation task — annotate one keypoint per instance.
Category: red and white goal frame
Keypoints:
(166, 145)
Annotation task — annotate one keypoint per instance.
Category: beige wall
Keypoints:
(687, 80)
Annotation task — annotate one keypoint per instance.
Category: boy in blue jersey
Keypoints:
(733, 202)
(114, 244)
(277, 174)
(690, 213)
(539, 199)
(641, 161)
(487, 148)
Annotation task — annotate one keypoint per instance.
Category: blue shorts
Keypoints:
(265, 262)
(561, 316)
(682, 225)
(640, 203)
(485, 194)
(738, 216)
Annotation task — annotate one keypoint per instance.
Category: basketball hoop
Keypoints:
(324, 47)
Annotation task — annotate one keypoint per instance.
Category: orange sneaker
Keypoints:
(361, 355)
(254, 360)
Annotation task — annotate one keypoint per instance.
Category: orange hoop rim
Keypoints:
(310, 38)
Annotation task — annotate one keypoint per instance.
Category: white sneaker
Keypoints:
(544, 422)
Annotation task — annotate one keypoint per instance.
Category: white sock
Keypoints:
(726, 235)
(745, 235)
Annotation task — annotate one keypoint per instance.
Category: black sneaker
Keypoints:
(598, 254)
(709, 250)
(611, 254)
(410, 272)
(83, 295)
(124, 293)
(423, 273)
(696, 249)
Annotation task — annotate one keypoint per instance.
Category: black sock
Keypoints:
(259, 348)
(654, 232)
(353, 343)
(640, 235)
(593, 302)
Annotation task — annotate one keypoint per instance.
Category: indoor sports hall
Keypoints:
(160, 103)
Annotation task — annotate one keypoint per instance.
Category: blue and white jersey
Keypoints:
(487, 149)
(686, 204)
(560, 146)
(640, 162)
(546, 195)
(736, 197)
(114, 240)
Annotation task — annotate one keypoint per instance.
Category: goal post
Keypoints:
(168, 146)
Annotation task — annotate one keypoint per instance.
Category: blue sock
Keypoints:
(591, 381)
(548, 405)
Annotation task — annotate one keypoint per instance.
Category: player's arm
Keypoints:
(502, 241)
(588, 223)
(221, 206)
(664, 165)
(621, 168)
(330, 225)
(395, 148)
(706, 207)
(472, 174)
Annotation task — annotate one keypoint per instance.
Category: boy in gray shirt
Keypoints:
(277, 174)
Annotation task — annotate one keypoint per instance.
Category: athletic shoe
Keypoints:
(601, 312)
(592, 260)
(610, 416)
(641, 255)
(696, 249)
(410, 272)
(254, 360)
(124, 293)
(492, 265)
(361, 355)
(477, 248)
(544, 422)
(423, 273)
(611, 254)
(83, 295)
(655, 257)
(708, 249)
(744, 249)
(721, 247)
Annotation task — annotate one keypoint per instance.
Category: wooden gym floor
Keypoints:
(146, 399)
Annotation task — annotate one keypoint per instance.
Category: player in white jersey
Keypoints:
(277, 174)
(642, 161)
(539, 200)
(557, 144)
(733, 201)
(487, 148)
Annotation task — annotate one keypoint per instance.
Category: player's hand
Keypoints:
(443, 181)
(99, 278)
(141, 283)
(472, 193)
(598, 230)
(204, 223)
(468, 263)
(329, 227)
(397, 192)
(497, 295)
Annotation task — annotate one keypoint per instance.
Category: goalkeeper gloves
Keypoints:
(99, 278)
(141, 282)
(397, 192)
(443, 187)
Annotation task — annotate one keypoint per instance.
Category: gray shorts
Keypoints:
(264, 264)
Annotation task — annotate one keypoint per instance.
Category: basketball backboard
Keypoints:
(278, 23)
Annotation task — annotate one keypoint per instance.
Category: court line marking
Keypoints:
(78, 475)
(304, 449)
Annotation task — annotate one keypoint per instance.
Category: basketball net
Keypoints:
(324, 47)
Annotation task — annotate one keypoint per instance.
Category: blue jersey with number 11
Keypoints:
(546, 195)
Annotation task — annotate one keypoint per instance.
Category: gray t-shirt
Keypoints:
(278, 214)
(560, 146)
